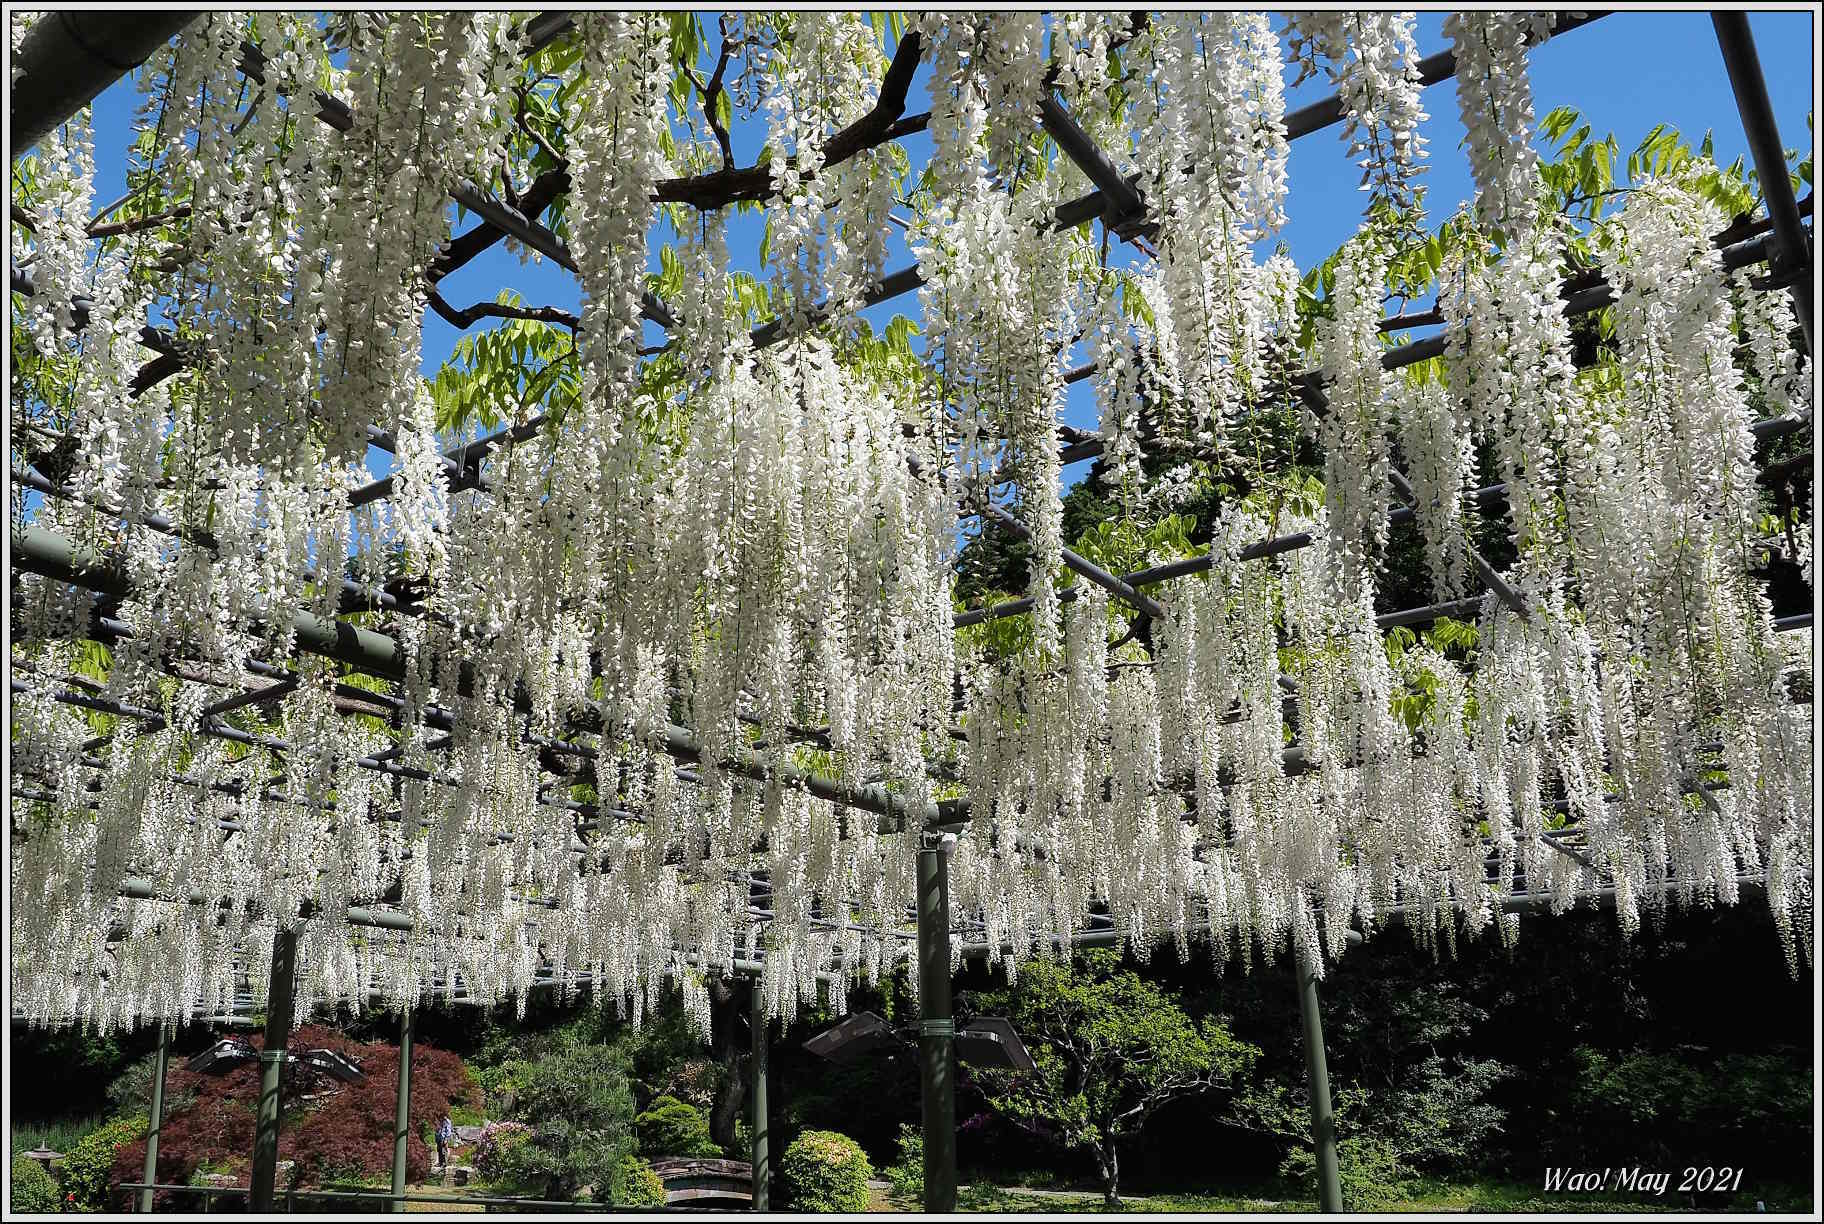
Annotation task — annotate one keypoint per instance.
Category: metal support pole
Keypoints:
(1750, 84)
(402, 1114)
(763, 1172)
(272, 1065)
(67, 58)
(157, 1121)
(1317, 1079)
(937, 1027)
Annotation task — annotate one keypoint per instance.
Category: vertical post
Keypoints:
(279, 996)
(402, 1115)
(1750, 84)
(937, 1029)
(159, 1064)
(763, 1173)
(1317, 1080)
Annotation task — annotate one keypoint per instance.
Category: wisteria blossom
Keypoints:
(668, 672)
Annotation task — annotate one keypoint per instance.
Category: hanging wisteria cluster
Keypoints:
(667, 684)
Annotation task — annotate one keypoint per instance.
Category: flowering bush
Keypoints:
(491, 1154)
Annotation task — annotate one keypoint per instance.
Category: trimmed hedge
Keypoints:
(825, 1171)
(636, 1185)
(33, 1190)
(671, 1127)
(87, 1171)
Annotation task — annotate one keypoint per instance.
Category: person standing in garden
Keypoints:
(446, 1131)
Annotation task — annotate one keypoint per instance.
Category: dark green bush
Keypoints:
(33, 1189)
(87, 1168)
(1685, 1100)
(636, 1185)
(825, 1171)
(131, 1090)
(580, 1107)
(671, 1127)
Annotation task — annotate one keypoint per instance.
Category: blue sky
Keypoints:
(1626, 73)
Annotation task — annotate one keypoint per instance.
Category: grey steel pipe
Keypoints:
(762, 1159)
(402, 1109)
(936, 1028)
(68, 57)
(1317, 1081)
(1736, 41)
(156, 1120)
(279, 1001)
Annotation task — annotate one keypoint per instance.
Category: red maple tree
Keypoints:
(328, 1129)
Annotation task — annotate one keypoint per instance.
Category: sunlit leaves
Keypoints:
(506, 373)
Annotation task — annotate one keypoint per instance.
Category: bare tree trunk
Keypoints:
(1108, 1164)
(731, 1095)
(731, 1083)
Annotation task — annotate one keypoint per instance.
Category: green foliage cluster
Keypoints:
(494, 1156)
(87, 1168)
(636, 1185)
(131, 1091)
(1112, 1048)
(578, 1101)
(506, 373)
(32, 1189)
(907, 1174)
(1409, 1097)
(670, 1127)
(1664, 1104)
(824, 1171)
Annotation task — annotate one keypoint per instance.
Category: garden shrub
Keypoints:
(1368, 1168)
(581, 1106)
(670, 1127)
(1736, 1107)
(59, 1134)
(33, 1189)
(492, 1155)
(908, 1174)
(636, 1185)
(87, 1170)
(131, 1090)
(825, 1171)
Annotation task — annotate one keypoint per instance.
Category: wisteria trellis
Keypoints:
(716, 589)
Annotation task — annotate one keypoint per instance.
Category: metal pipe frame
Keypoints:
(156, 1115)
(761, 1110)
(68, 57)
(279, 996)
(402, 1109)
(1793, 257)
(936, 1027)
(1317, 1084)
